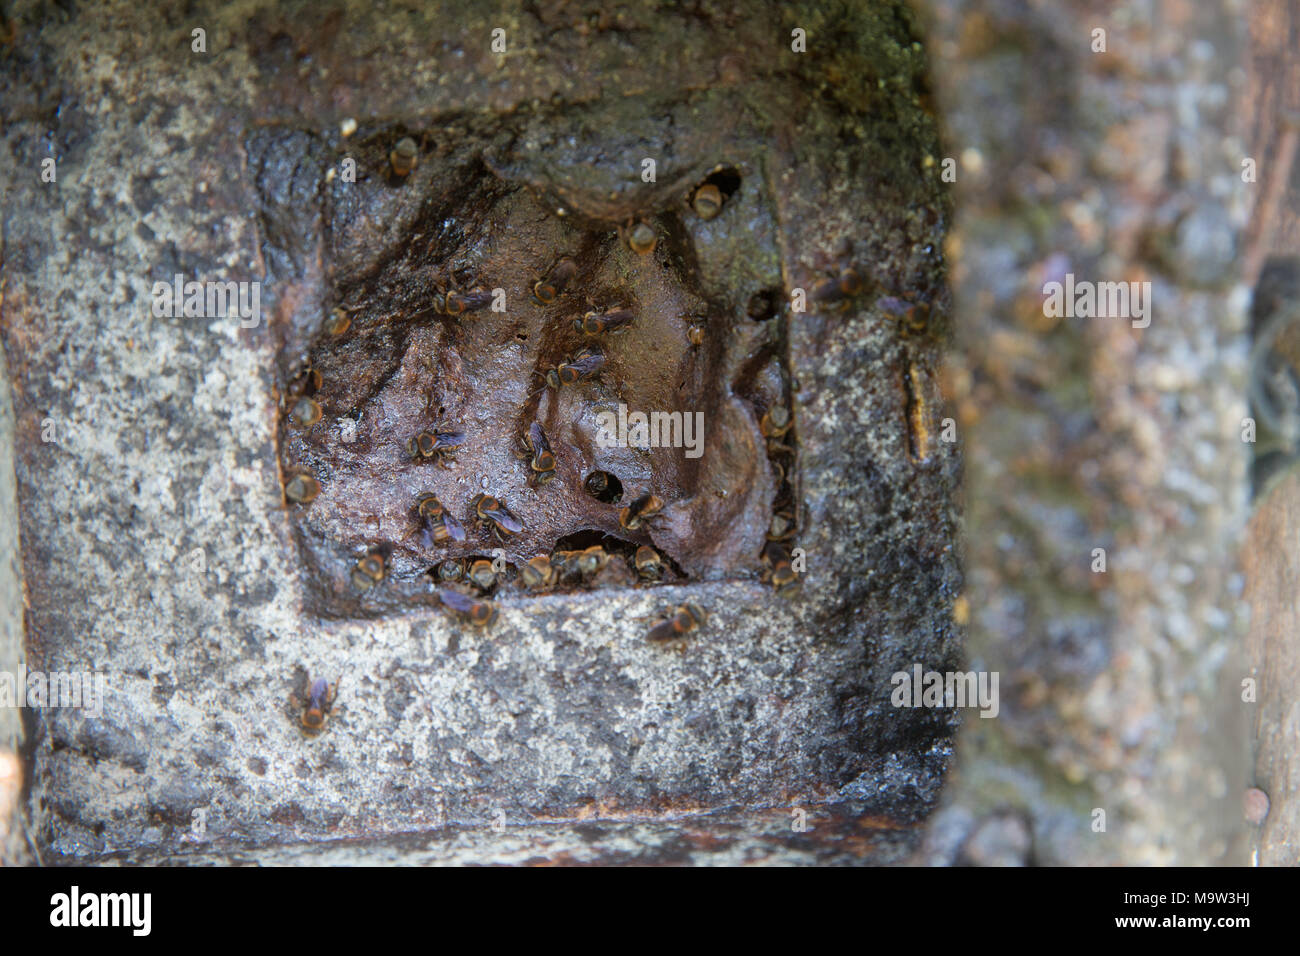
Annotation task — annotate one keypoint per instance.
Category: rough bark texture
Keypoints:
(1121, 692)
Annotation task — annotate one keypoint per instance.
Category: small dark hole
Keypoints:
(604, 486)
(589, 537)
(726, 179)
(764, 305)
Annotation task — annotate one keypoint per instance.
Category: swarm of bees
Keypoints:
(463, 584)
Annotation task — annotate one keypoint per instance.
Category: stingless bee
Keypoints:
(577, 369)
(369, 571)
(649, 564)
(306, 412)
(640, 511)
(435, 445)
(683, 620)
(538, 572)
(478, 612)
(835, 292)
(301, 489)
(599, 323)
(481, 575)
(780, 572)
(707, 201)
(440, 526)
(541, 460)
(546, 290)
(492, 514)
(456, 303)
(315, 702)
(403, 156)
(640, 237)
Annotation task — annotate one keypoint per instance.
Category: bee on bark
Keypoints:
(436, 445)
(538, 572)
(369, 571)
(601, 323)
(649, 564)
(581, 367)
(440, 526)
(315, 701)
(491, 514)
(480, 613)
(681, 622)
(643, 509)
(541, 460)
(458, 303)
(548, 289)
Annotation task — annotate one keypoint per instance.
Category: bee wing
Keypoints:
(663, 631)
(617, 319)
(588, 364)
(449, 438)
(453, 526)
(455, 600)
(538, 437)
(506, 520)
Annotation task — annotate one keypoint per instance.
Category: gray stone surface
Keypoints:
(154, 541)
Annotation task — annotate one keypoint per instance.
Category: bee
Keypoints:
(589, 562)
(481, 575)
(453, 569)
(302, 489)
(579, 368)
(541, 460)
(440, 526)
(911, 316)
(599, 487)
(454, 303)
(641, 237)
(695, 334)
(369, 571)
(836, 291)
(649, 564)
(404, 156)
(307, 381)
(337, 323)
(684, 619)
(316, 708)
(775, 423)
(597, 323)
(546, 290)
(492, 514)
(306, 412)
(435, 445)
(538, 572)
(782, 527)
(478, 613)
(641, 510)
(780, 572)
(707, 201)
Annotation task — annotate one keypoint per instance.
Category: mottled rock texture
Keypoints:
(155, 544)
